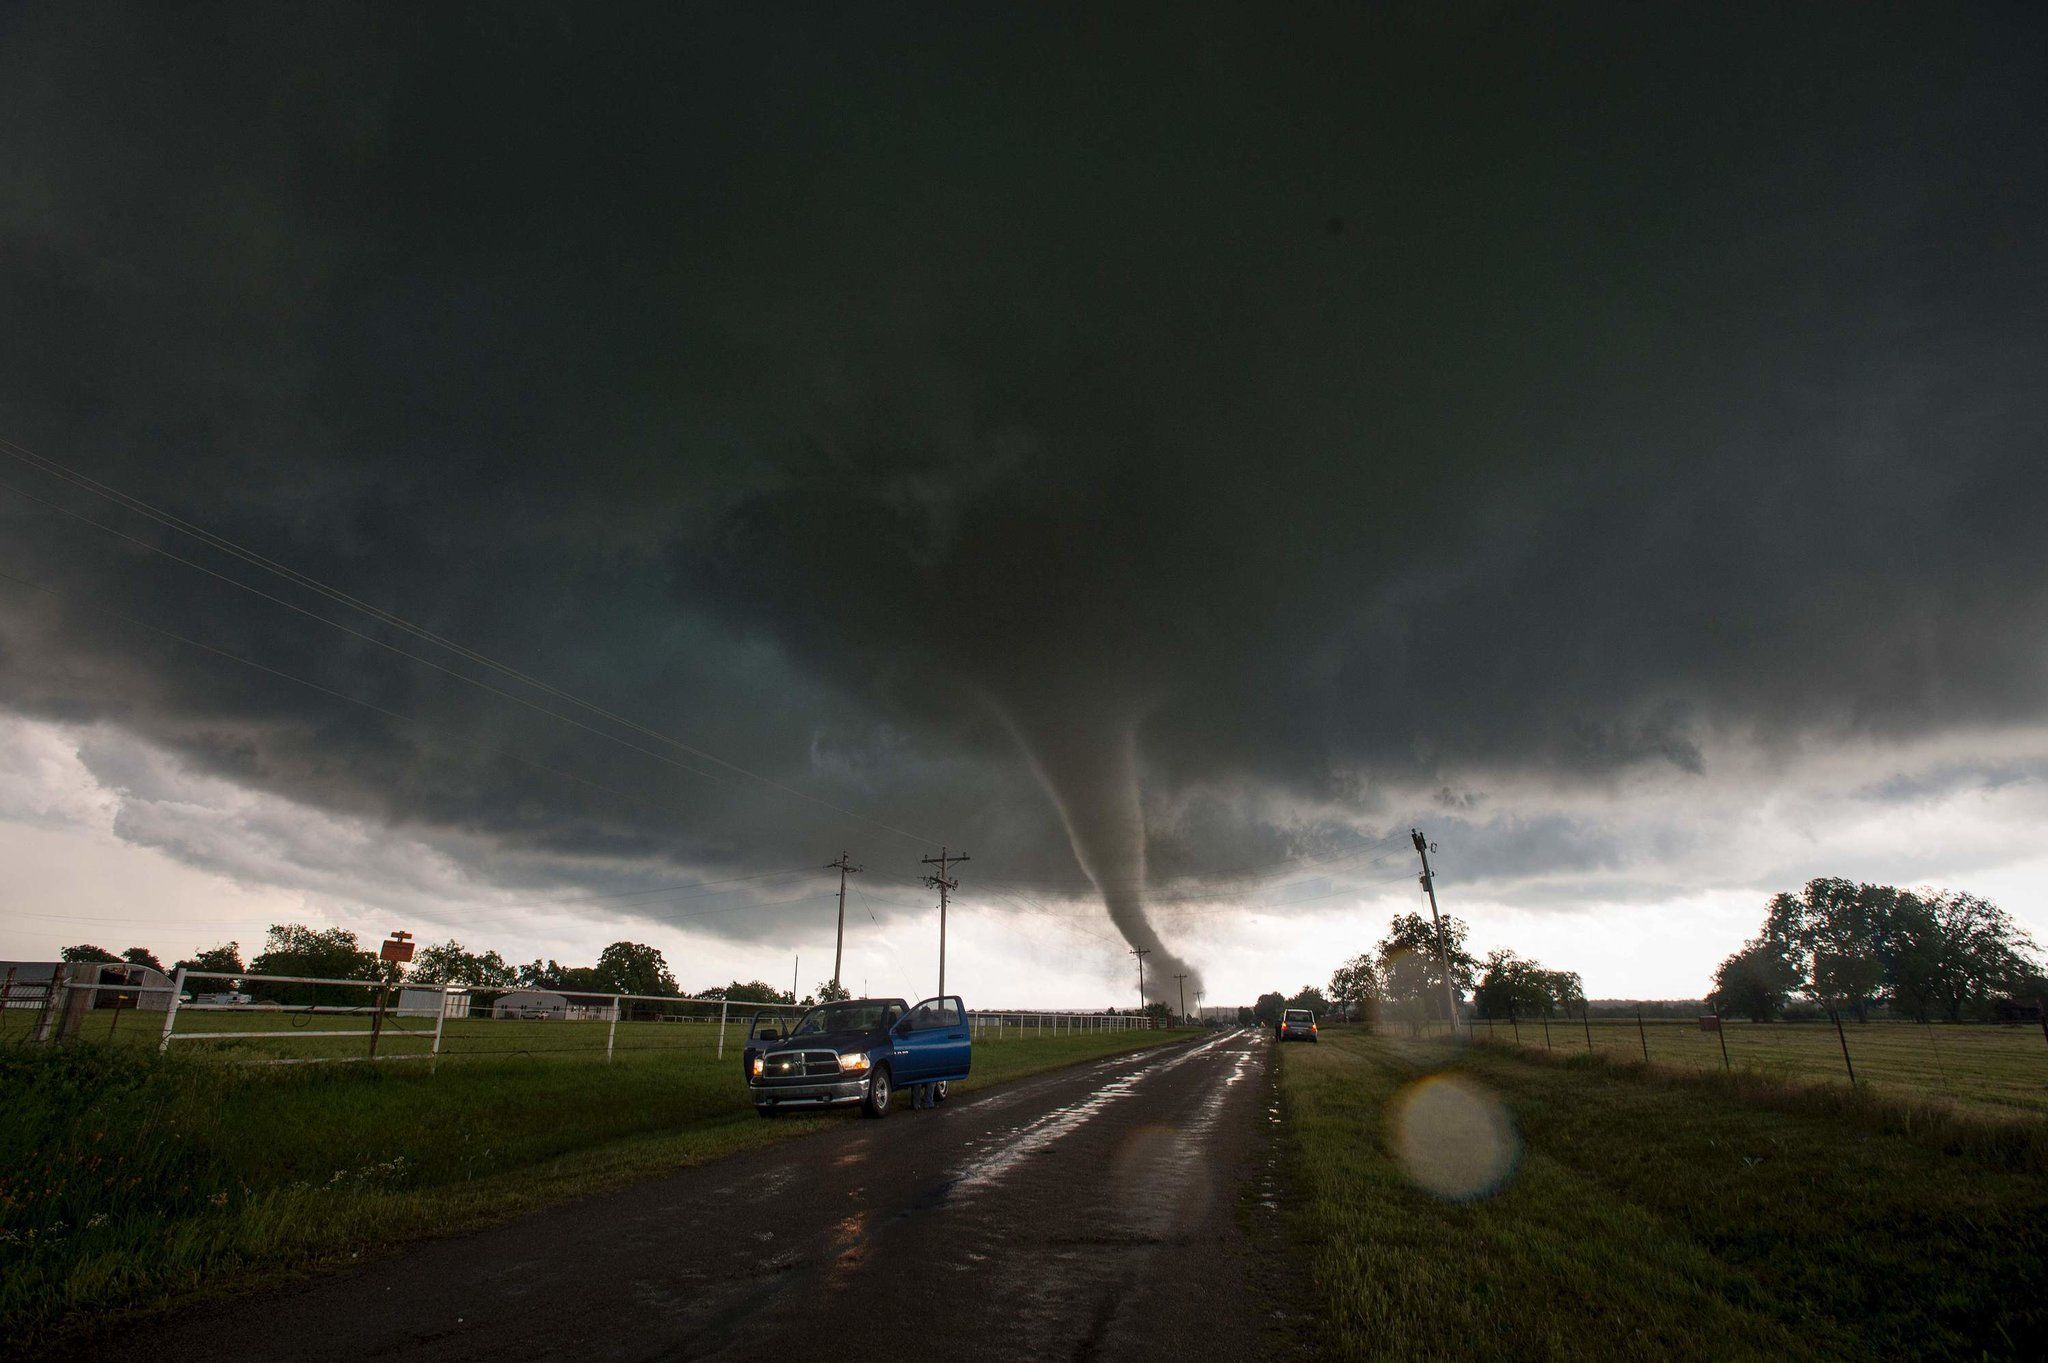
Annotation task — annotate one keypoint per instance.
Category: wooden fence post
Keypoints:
(1642, 1035)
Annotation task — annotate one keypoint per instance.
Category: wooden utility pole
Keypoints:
(1141, 953)
(1183, 981)
(845, 865)
(1443, 948)
(944, 886)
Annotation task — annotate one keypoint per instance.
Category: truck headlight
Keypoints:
(757, 1067)
(853, 1062)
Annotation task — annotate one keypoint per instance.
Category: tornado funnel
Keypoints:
(1088, 762)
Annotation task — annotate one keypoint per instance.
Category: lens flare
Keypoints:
(1453, 1138)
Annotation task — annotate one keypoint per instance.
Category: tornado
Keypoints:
(1087, 760)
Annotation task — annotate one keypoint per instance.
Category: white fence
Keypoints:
(315, 1020)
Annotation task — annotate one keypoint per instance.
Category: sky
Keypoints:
(544, 477)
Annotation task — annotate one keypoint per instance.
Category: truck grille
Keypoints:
(800, 1065)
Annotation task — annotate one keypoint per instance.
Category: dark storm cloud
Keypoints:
(1332, 406)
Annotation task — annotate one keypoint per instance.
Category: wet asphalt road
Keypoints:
(1089, 1213)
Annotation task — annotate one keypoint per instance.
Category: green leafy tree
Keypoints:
(1951, 954)
(634, 968)
(86, 953)
(568, 979)
(1514, 986)
(1834, 929)
(321, 953)
(829, 992)
(142, 956)
(1311, 998)
(450, 962)
(755, 991)
(227, 958)
(1268, 1009)
(1355, 987)
(1159, 1012)
(1920, 953)
(1756, 982)
(1411, 963)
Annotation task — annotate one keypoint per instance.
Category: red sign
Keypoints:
(398, 949)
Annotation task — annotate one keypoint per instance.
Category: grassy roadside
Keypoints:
(1659, 1215)
(130, 1181)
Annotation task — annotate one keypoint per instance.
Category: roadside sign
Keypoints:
(398, 949)
(1710, 1023)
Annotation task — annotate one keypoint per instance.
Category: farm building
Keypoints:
(545, 1003)
(25, 984)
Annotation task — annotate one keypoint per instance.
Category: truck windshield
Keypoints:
(844, 1017)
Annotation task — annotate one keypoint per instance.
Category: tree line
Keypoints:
(1862, 948)
(1918, 954)
(292, 949)
(1403, 977)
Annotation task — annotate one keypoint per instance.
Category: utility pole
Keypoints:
(1443, 948)
(944, 886)
(845, 864)
(1183, 980)
(1141, 953)
(795, 965)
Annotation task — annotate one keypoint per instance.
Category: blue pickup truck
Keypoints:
(858, 1051)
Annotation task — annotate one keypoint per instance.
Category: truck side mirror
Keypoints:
(768, 1034)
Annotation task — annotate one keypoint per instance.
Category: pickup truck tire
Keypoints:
(939, 1093)
(881, 1093)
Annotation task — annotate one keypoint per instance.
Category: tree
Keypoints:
(86, 953)
(1515, 986)
(1835, 928)
(634, 968)
(1756, 982)
(1953, 953)
(450, 962)
(1268, 1009)
(1355, 987)
(328, 954)
(332, 953)
(1411, 962)
(1311, 998)
(1917, 952)
(756, 991)
(143, 956)
(552, 974)
(1159, 1012)
(225, 958)
(829, 992)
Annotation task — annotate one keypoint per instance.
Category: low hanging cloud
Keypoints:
(1261, 437)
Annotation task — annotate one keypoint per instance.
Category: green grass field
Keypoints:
(131, 1181)
(1991, 1070)
(1652, 1213)
(342, 1035)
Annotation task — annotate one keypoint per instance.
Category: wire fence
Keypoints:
(1986, 1066)
(296, 1020)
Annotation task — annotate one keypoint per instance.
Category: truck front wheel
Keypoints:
(876, 1103)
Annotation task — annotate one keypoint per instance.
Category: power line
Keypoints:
(138, 506)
